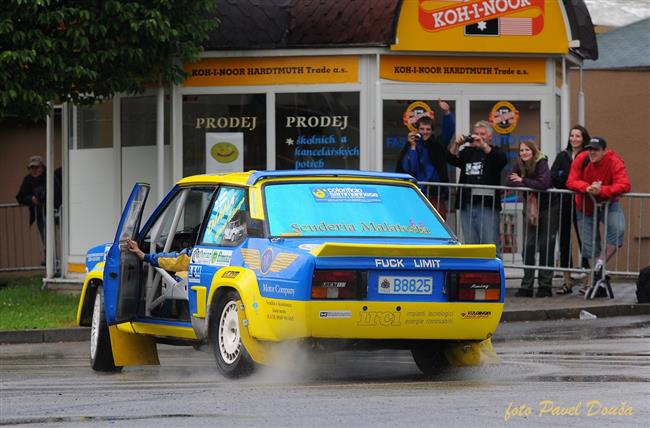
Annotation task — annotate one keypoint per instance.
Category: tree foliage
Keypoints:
(87, 50)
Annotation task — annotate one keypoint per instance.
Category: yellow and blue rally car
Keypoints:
(331, 259)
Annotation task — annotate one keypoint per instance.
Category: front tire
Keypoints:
(101, 353)
(232, 358)
(430, 359)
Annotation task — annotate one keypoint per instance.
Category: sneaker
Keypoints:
(524, 292)
(544, 292)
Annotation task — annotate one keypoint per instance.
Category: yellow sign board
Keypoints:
(462, 69)
(273, 71)
(497, 26)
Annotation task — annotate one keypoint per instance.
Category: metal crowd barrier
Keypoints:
(21, 247)
(554, 204)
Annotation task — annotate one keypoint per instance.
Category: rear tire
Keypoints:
(101, 353)
(233, 360)
(430, 359)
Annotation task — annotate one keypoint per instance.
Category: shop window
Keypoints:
(139, 121)
(398, 115)
(95, 126)
(513, 122)
(223, 133)
(317, 130)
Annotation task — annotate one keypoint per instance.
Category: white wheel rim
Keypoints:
(229, 339)
(94, 327)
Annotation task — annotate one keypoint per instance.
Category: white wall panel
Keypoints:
(94, 199)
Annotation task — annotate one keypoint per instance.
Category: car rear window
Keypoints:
(350, 209)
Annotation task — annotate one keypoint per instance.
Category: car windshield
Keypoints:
(350, 209)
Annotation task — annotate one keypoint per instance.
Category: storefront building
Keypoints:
(326, 84)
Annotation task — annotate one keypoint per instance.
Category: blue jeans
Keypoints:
(480, 225)
(615, 229)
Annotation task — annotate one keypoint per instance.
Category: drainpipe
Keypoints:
(160, 142)
(581, 102)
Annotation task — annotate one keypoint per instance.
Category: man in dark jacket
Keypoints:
(437, 152)
(479, 163)
(32, 192)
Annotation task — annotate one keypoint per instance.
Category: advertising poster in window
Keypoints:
(224, 152)
(317, 130)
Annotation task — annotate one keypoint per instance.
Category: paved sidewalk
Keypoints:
(516, 309)
(570, 305)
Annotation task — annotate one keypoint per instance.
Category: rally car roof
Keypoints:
(252, 177)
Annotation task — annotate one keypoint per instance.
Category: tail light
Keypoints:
(474, 286)
(337, 284)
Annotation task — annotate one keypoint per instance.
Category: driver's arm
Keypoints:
(175, 261)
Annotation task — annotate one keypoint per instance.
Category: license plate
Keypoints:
(405, 285)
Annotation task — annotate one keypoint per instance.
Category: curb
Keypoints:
(574, 313)
(82, 334)
(77, 334)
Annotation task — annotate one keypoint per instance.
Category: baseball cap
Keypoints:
(597, 143)
(35, 161)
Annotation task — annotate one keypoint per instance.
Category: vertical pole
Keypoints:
(160, 142)
(49, 196)
(581, 102)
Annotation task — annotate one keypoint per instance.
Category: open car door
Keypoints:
(122, 271)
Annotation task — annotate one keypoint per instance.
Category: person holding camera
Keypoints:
(423, 156)
(480, 163)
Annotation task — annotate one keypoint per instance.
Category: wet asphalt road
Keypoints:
(583, 368)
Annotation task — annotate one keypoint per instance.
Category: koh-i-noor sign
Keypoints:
(526, 26)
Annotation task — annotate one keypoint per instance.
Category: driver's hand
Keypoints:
(133, 247)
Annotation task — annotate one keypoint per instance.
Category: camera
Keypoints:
(468, 139)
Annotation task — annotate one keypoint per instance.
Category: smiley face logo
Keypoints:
(318, 193)
(224, 152)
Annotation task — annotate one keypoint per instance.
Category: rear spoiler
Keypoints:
(335, 249)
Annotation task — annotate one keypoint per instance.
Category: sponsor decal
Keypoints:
(267, 259)
(271, 288)
(200, 256)
(220, 258)
(474, 315)
(504, 117)
(211, 257)
(253, 260)
(345, 194)
(230, 274)
(194, 274)
(335, 314)
(414, 112)
(382, 319)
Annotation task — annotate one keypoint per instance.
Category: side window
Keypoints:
(227, 223)
(178, 224)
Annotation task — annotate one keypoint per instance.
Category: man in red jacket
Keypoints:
(599, 174)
